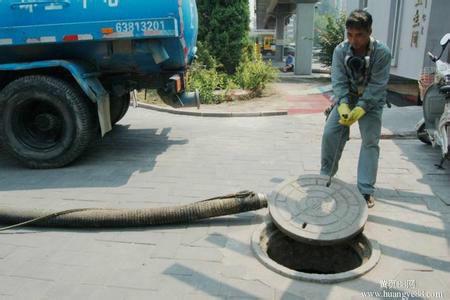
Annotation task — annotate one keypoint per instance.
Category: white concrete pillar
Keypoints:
(304, 38)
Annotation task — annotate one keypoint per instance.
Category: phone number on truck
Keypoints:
(141, 26)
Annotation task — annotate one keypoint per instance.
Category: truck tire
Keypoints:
(119, 107)
(46, 122)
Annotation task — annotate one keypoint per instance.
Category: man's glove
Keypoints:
(356, 114)
(344, 112)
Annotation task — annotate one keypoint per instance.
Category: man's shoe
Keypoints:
(370, 200)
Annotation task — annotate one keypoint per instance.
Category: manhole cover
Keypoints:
(308, 211)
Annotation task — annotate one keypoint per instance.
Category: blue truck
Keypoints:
(67, 68)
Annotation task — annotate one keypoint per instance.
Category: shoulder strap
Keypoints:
(371, 60)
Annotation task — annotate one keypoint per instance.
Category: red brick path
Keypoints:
(307, 104)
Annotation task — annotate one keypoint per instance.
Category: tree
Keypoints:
(324, 10)
(205, 8)
(325, 7)
(224, 28)
(330, 37)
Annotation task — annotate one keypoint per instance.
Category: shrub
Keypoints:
(204, 76)
(204, 56)
(205, 80)
(330, 37)
(214, 86)
(253, 73)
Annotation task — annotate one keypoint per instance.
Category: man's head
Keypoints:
(359, 29)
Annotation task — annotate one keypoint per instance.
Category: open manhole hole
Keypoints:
(317, 263)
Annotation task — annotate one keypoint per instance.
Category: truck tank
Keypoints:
(114, 35)
(68, 66)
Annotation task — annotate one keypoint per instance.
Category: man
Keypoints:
(290, 62)
(359, 74)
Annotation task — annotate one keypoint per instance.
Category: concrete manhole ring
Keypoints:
(315, 263)
(306, 210)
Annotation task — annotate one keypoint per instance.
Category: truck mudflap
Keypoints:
(86, 79)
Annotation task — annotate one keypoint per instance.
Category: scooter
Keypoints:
(434, 128)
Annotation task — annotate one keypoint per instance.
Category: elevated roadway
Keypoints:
(273, 14)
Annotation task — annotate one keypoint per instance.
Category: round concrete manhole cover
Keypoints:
(308, 211)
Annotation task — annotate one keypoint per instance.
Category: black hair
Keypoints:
(359, 19)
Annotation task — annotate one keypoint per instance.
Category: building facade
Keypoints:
(410, 28)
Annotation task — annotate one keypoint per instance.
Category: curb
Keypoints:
(211, 114)
(403, 135)
(407, 135)
(406, 97)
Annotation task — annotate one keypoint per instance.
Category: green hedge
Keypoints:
(252, 74)
(330, 37)
(224, 30)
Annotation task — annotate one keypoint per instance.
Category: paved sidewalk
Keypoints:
(290, 95)
(306, 96)
(154, 159)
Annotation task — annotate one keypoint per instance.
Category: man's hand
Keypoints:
(344, 112)
(356, 114)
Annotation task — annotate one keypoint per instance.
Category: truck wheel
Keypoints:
(119, 107)
(45, 121)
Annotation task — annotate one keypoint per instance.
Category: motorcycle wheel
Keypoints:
(422, 135)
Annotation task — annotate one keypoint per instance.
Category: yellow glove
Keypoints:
(356, 114)
(344, 111)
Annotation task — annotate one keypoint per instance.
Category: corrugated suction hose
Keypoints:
(106, 218)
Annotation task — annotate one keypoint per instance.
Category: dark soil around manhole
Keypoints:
(314, 259)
